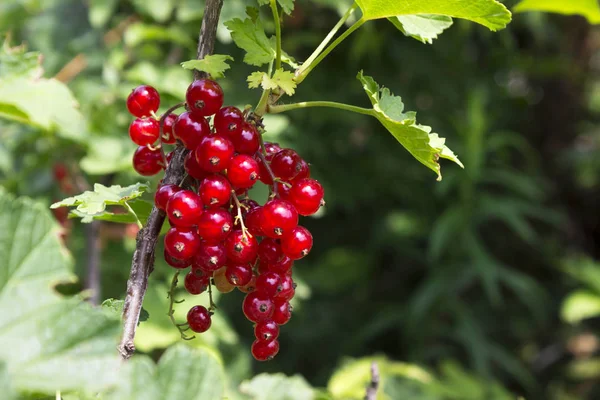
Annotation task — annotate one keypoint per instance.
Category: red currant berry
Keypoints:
(215, 191)
(270, 250)
(144, 131)
(241, 249)
(297, 243)
(264, 350)
(143, 101)
(191, 129)
(204, 97)
(288, 288)
(147, 162)
(266, 330)
(214, 153)
(196, 282)
(192, 167)
(215, 224)
(210, 257)
(238, 274)
(163, 194)
(269, 284)
(175, 262)
(282, 311)
(304, 171)
(242, 171)
(246, 140)
(271, 149)
(198, 318)
(307, 196)
(253, 221)
(221, 282)
(182, 243)
(286, 164)
(263, 172)
(184, 208)
(168, 135)
(249, 287)
(257, 307)
(283, 190)
(278, 218)
(283, 266)
(228, 121)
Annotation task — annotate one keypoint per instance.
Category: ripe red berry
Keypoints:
(215, 191)
(257, 307)
(265, 350)
(144, 131)
(143, 101)
(192, 168)
(269, 284)
(241, 249)
(304, 171)
(286, 164)
(198, 318)
(204, 97)
(282, 266)
(283, 190)
(282, 311)
(147, 162)
(270, 250)
(214, 153)
(210, 256)
(182, 243)
(288, 288)
(242, 171)
(297, 243)
(246, 140)
(266, 330)
(175, 262)
(278, 218)
(250, 286)
(163, 194)
(196, 282)
(168, 136)
(307, 196)
(228, 121)
(253, 221)
(238, 274)
(215, 224)
(191, 129)
(184, 208)
(271, 149)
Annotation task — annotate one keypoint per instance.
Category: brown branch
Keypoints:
(143, 258)
(374, 384)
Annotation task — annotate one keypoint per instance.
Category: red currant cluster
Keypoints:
(230, 240)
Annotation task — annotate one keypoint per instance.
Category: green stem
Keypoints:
(277, 34)
(128, 207)
(261, 107)
(331, 104)
(305, 69)
(329, 36)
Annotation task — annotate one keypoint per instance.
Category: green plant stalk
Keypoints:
(331, 104)
(329, 36)
(261, 107)
(277, 34)
(130, 210)
(306, 68)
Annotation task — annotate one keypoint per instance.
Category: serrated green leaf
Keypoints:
(425, 146)
(277, 387)
(423, 27)
(489, 13)
(286, 5)
(590, 9)
(214, 65)
(113, 307)
(281, 79)
(18, 62)
(255, 79)
(250, 36)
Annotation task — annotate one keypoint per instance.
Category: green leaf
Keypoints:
(286, 5)
(55, 343)
(92, 205)
(588, 8)
(425, 146)
(423, 27)
(250, 36)
(139, 33)
(489, 13)
(113, 307)
(18, 62)
(281, 79)
(580, 305)
(101, 11)
(159, 10)
(277, 387)
(214, 64)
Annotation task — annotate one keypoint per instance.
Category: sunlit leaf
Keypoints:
(588, 8)
(423, 27)
(215, 65)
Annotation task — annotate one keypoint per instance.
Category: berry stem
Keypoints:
(276, 109)
(277, 34)
(239, 214)
(263, 103)
(171, 296)
(137, 220)
(212, 306)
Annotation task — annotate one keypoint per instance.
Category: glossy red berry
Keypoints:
(210, 256)
(196, 282)
(304, 171)
(288, 288)
(264, 350)
(143, 101)
(215, 224)
(250, 286)
(246, 140)
(253, 221)
(228, 121)
(270, 250)
(192, 168)
(168, 135)
(269, 284)
(204, 97)
(238, 274)
(257, 307)
(283, 190)
(215, 191)
(241, 249)
(191, 129)
(198, 318)
(163, 194)
(175, 262)
(182, 243)
(266, 330)
(278, 218)
(307, 196)
(242, 171)
(144, 131)
(282, 311)
(184, 208)
(282, 266)
(297, 243)
(286, 164)
(147, 162)
(214, 153)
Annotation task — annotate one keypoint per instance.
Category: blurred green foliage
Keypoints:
(482, 286)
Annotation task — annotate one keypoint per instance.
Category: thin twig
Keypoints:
(374, 384)
(171, 295)
(143, 258)
(239, 216)
(212, 307)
